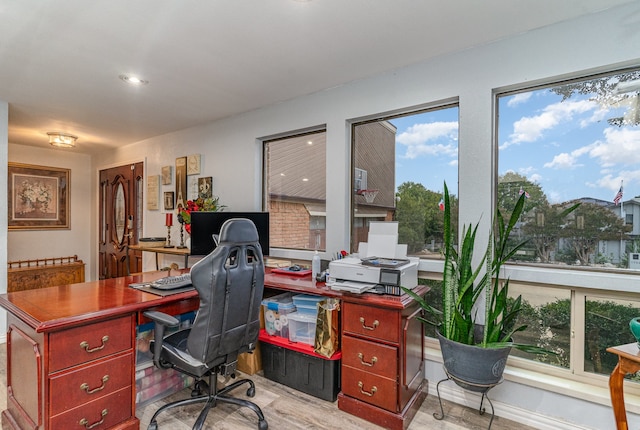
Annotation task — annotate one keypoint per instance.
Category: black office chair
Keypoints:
(229, 282)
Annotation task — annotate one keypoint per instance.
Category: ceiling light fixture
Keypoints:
(133, 80)
(62, 140)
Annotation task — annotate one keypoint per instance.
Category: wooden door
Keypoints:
(121, 192)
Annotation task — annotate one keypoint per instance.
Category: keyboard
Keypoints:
(172, 282)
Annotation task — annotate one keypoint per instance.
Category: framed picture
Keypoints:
(38, 197)
(193, 164)
(181, 182)
(166, 175)
(192, 185)
(205, 187)
(153, 192)
(168, 200)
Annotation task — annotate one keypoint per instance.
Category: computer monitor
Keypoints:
(204, 225)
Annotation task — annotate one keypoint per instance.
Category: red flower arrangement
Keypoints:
(211, 204)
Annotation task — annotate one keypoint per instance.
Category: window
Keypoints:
(399, 166)
(295, 173)
(574, 142)
(571, 149)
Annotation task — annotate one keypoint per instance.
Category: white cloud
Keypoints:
(530, 129)
(435, 138)
(563, 161)
(620, 146)
(519, 98)
(536, 177)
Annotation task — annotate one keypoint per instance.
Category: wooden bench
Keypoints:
(46, 272)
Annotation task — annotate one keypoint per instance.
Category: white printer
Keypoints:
(380, 262)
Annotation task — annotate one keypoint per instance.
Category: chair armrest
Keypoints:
(162, 318)
(162, 321)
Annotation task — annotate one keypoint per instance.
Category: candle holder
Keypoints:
(181, 246)
(168, 242)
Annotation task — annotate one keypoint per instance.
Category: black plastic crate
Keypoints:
(297, 366)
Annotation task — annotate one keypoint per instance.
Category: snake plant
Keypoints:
(463, 285)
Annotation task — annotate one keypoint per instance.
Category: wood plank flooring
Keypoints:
(286, 408)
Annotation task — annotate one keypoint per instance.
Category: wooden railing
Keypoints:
(45, 272)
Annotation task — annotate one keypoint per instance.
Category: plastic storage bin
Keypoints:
(307, 304)
(275, 311)
(302, 327)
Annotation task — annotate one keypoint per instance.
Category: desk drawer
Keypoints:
(369, 388)
(88, 383)
(90, 342)
(370, 321)
(103, 413)
(371, 357)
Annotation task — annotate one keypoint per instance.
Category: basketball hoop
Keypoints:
(369, 195)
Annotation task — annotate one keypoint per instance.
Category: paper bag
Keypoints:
(327, 340)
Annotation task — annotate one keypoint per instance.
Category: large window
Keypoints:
(295, 184)
(574, 142)
(399, 166)
(574, 145)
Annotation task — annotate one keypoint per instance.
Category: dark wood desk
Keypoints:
(628, 362)
(71, 351)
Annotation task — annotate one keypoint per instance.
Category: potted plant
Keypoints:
(475, 349)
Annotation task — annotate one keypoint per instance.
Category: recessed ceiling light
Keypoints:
(133, 80)
(310, 142)
(305, 179)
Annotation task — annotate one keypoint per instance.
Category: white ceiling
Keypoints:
(209, 59)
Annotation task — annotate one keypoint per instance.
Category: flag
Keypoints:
(441, 204)
(521, 192)
(618, 196)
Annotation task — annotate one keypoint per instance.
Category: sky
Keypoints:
(567, 147)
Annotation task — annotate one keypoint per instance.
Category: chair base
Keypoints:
(211, 397)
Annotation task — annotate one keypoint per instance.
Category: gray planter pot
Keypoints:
(472, 367)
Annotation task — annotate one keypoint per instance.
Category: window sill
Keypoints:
(556, 384)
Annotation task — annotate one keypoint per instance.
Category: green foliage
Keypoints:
(419, 219)
(462, 285)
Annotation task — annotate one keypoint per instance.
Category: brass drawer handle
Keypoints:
(85, 345)
(376, 323)
(367, 393)
(85, 386)
(85, 423)
(364, 363)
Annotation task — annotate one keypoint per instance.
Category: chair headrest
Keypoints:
(238, 230)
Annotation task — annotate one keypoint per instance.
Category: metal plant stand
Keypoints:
(479, 388)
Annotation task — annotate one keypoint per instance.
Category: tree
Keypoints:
(602, 90)
(590, 224)
(419, 218)
(509, 187)
(544, 227)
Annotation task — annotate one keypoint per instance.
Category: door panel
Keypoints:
(120, 219)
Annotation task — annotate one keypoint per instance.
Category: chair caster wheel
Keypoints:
(251, 391)
(262, 425)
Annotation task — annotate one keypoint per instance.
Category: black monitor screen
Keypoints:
(206, 224)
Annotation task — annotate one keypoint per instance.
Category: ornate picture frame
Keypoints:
(39, 197)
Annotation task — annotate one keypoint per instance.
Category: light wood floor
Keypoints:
(285, 408)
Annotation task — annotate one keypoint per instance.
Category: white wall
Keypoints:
(231, 153)
(32, 244)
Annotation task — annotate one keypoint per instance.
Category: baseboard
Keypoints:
(3, 338)
(455, 394)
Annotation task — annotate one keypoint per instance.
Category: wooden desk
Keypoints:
(628, 362)
(185, 252)
(71, 351)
